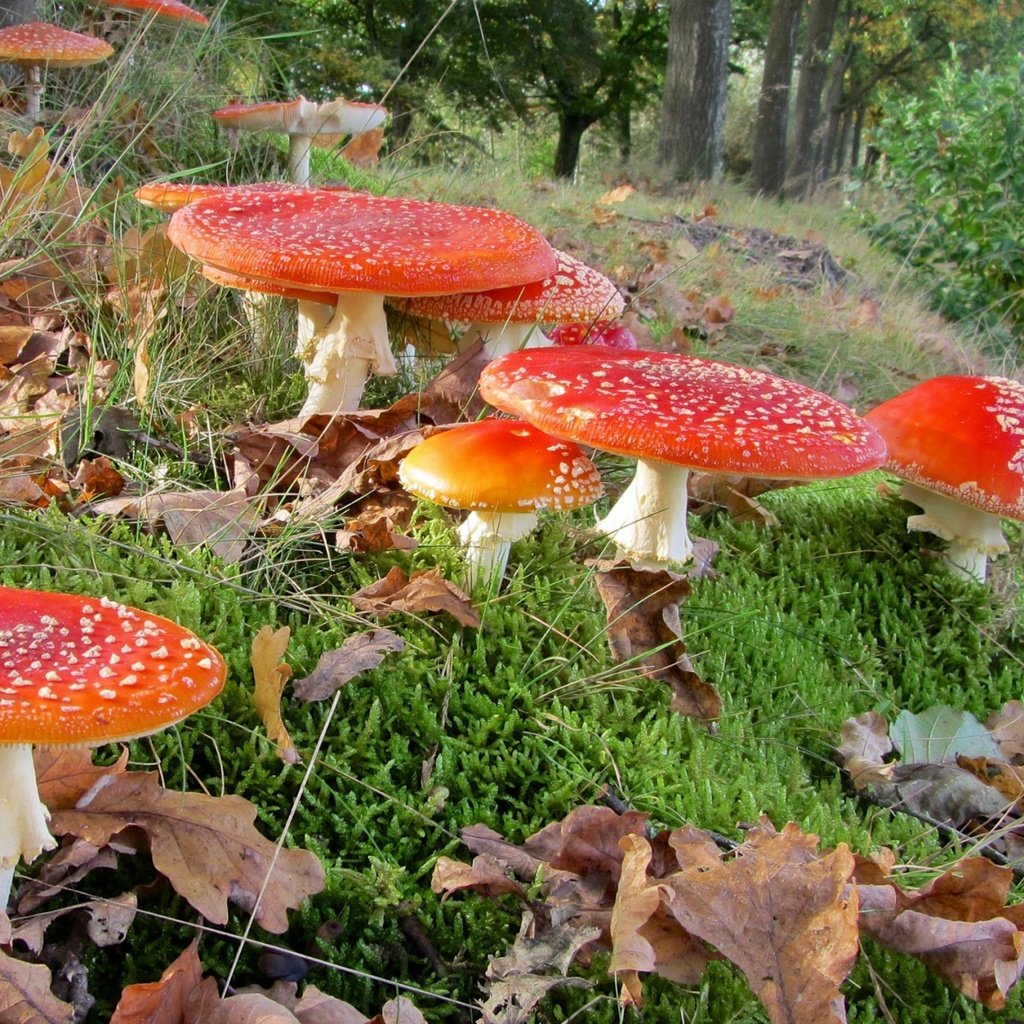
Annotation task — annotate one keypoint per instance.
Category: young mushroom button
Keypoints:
(503, 471)
(958, 442)
(674, 413)
(356, 248)
(81, 671)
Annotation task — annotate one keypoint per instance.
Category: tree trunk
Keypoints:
(15, 12)
(768, 173)
(803, 155)
(696, 75)
(570, 133)
(827, 155)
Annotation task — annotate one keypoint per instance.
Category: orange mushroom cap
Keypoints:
(85, 671)
(960, 436)
(500, 465)
(37, 42)
(251, 284)
(574, 292)
(335, 241)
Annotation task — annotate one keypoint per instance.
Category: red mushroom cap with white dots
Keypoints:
(168, 10)
(85, 671)
(343, 241)
(38, 43)
(573, 292)
(960, 436)
(595, 332)
(500, 465)
(683, 410)
(334, 117)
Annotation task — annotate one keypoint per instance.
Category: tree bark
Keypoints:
(15, 12)
(768, 173)
(803, 155)
(571, 127)
(696, 75)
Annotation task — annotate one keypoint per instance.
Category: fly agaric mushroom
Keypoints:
(674, 413)
(958, 443)
(355, 248)
(503, 471)
(301, 120)
(82, 671)
(165, 10)
(509, 318)
(35, 45)
(598, 332)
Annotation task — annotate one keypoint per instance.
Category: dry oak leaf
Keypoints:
(1007, 728)
(395, 1011)
(959, 925)
(163, 1001)
(644, 629)
(360, 653)
(186, 829)
(485, 875)
(533, 967)
(270, 673)
(426, 591)
(65, 775)
(315, 1007)
(636, 900)
(25, 996)
(776, 908)
(363, 149)
(864, 746)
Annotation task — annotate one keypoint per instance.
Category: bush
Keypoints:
(951, 161)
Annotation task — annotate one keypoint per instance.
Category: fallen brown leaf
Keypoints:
(25, 996)
(360, 653)
(644, 630)
(270, 673)
(186, 829)
(425, 591)
(163, 1001)
(796, 938)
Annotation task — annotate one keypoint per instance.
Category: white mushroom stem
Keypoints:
(973, 534)
(33, 91)
(504, 337)
(487, 538)
(339, 355)
(299, 146)
(648, 522)
(23, 831)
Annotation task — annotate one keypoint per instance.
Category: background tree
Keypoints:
(696, 76)
(768, 171)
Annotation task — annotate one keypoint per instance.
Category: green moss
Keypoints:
(835, 612)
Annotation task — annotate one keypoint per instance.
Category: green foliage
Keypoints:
(952, 162)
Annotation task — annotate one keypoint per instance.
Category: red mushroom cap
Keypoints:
(683, 410)
(172, 10)
(337, 241)
(596, 332)
(502, 466)
(252, 284)
(83, 670)
(573, 292)
(959, 436)
(37, 42)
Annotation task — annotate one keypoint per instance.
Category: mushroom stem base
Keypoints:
(648, 522)
(973, 535)
(502, 338)
(339, 356)
(487, 538)
(23, 831)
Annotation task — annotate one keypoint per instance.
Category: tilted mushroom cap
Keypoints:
(306, 117)
(502, 466)
(344, 241)
(169, 10)
(683, 410)
(959, 436)
(251, 284)
(39, 43)
(573, 292)
(85, 671)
